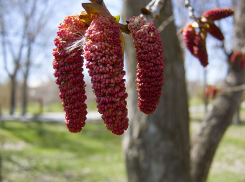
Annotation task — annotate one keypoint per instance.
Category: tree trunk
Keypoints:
(157, 145)
(13, 95)
(212, 129)
(26, 74)
(24, 96)
(216, 122)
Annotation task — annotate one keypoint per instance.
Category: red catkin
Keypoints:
(103, 52)
(150, 65)
(200, 50)
(189, 35)
(211, 92)
(196, 43)
(215, 31)
(218, 13)
(68, 70)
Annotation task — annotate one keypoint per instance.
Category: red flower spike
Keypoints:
(189, 34)
(215, 32)
(150, 63)
(211, 92)
(217, 14)
(103, 52)
(200, 50)
(68, 70)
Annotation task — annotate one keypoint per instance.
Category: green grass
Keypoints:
(34, 108)
(48, 152)
(45, 152)
(229, 161)
(195, 101)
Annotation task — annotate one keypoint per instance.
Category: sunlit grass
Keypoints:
(34, 108)
(195, 101)
(229, 161)
(48, 152)
(36, 151)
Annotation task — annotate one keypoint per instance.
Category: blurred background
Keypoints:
(34, 143)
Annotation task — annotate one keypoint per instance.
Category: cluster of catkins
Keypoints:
(240, 57)
(196, 41)
(103, 51)
(150, 65)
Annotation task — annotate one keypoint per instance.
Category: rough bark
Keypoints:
(207, 138)
(157, 145)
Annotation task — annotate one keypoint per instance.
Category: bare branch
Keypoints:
(190, 9)
(124, 28)
(153, 10)
(232, 89)
(150, 12)
(165, 23)
(3, 42)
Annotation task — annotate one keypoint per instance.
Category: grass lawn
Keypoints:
(34, 108)
(47, 152)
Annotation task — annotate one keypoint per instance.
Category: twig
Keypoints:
(165, 23)
(152, 10)
(190, 9)
(232, 89)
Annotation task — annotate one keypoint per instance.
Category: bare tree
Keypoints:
(37, 19)
(216, 122)
(16, 53)
(22, 39)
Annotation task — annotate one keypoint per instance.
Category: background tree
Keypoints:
(16, 52)
(37, 18)
(22, 40)
(157, 146)
(212, 129)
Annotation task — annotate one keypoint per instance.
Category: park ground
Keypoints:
(43, 152)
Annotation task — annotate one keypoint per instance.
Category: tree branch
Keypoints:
(3, 35)
(165, 23)
(153, 9)
(190, 9)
